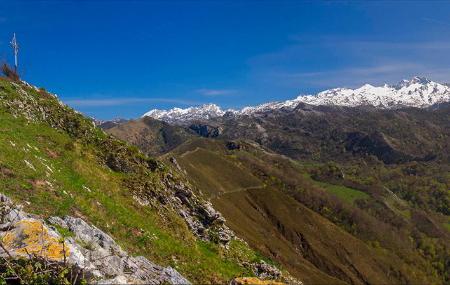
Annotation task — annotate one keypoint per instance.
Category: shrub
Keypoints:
(9, 72)
(37, 270)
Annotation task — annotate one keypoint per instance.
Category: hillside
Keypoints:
(319, 133)
(154, 137)
(323, 230)
(339, 133)
(55, 162)
(374, 176)
(325, 194)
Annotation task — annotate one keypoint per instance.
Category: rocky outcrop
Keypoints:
(265, 271)
(203, 220)
(175, 194)
(254, 281)
(174, 161)
(206, 131)
(266, 274)
(85, 246)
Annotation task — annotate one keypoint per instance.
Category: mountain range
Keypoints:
(373, 161)
(418, 92)
(323, 189)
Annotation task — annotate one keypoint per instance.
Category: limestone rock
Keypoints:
(254, 281)
(30, 236)
(95, 252)
(266, 271)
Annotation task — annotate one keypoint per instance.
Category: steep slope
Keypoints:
(71, 252)
(376, 176)
(322, 133)
(154, 137)
(55, 162)
(321, 232)
(339, 133)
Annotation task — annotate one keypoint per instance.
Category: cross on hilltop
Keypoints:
(15, 47)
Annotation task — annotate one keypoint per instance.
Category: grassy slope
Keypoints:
(51, 173)
(154, 137)
(310, 247)
(347, 194)
(220, 175)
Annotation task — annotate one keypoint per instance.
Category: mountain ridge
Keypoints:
(418, 92)
(377, 173)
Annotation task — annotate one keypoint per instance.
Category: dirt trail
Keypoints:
(218, 195)
(189, 152)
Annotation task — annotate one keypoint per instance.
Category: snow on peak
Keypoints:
(205, 111)
(414, 80)
(417, 92)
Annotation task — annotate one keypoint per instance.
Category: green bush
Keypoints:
(37, 270)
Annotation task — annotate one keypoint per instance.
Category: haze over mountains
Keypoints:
(417, 92)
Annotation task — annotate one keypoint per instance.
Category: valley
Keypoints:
(334, 194)
(201, 142)
(314, 194)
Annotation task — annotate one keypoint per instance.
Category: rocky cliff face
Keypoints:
(206, 131)
(100, 259)
(203, 220)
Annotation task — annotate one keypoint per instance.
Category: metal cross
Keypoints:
(15, 47)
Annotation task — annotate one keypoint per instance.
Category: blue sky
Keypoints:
(121, 58)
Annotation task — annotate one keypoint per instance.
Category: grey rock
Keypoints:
(110, 260)
(265, 271)
(116, 280)
(174, 161)
(102, 260)
(206, 131)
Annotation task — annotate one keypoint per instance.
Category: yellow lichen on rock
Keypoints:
(254, 281)
(30, 236)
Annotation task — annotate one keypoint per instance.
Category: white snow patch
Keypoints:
(417, 92)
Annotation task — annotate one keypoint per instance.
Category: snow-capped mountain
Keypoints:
(418, 92)
(204, 112)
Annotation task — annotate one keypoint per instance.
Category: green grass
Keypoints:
(447, 224)
(51, 174)
(398, 206)
(347, 194)
(215, 173)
